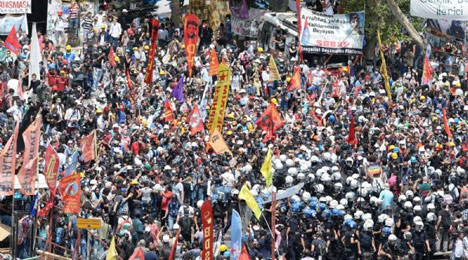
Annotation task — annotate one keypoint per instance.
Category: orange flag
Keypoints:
(295, 80)
(190, 39)
(89, 147)
(70, 190)
(214, 63)
(28, 172)
(244, 254)
(52, 163)
(168, 114)
(194, 120)
(447, 128)
(217, 142)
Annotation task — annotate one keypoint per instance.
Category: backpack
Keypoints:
(185, 225)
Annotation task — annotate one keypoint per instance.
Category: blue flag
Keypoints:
(178, 91)
(33, 210)
(236, 235)
(72, 165)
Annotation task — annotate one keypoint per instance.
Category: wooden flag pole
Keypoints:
(273, 225)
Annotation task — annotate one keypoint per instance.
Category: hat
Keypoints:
(68, 48)
(134, 182)
(260, 49)
(162, 72)
(124, 11)
(59, 13)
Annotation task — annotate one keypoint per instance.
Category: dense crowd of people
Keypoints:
(399, 192)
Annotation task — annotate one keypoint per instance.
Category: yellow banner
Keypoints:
(218, 108)
(274, 73)
(246, 195)
(383, 68)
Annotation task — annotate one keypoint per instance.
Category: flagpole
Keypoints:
(13, 234)
(273, 224)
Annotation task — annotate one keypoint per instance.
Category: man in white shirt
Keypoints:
(59, 26)
(115, 31)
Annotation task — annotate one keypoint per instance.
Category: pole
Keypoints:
(13, 233)
(273, 225)
(77, 244)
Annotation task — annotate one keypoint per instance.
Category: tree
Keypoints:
(403, 20)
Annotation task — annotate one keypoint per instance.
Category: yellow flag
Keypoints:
(383, 68)
(274, 73)
(112, 253)
(246, 195)
(266, 169)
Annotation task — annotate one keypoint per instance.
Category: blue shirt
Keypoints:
(386, 196)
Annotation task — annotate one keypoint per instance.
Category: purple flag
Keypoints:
(241, 10)
(178, 91)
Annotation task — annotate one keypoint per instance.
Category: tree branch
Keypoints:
(403, 20)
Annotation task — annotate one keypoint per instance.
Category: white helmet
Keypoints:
(319, 188)
(289, 180)
(303, 167)
(306, 196)
(417, 208)
(419, 226)
(431, 216)
(358, 214)
(430, 207)
(348, 180)
(289, 162)
(333, 204)
(328, 198)
(295, 198)
(301, 176)
(314, 159)
(292, 171)
(335, 169)
(276, 161)
(354, 184)
(367, 217)
(175, 226)
(319, 173)
(409, 195)
(402, 198)
(344, 202)
(389, 222)
(372, 200)
(325, 178)
(326, 156)
(279, 166)
(350, 196)
(382, 217)
(336, 176)
(340, 207)
(311, 177)
(363, 191)
(166, 238)
(368, 225)
(248, 168)
(338, 186)
(199, 204)
(392, 238)
(417, 219)
(416, 200)
(438, 172)
(408, 205)
(347, 217)
(283, 157)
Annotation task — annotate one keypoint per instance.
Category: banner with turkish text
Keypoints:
(28, 171)
(15, 6)
(207, 222)
(51, 166)
(8, 165)
(218, 107)
(70, 190)
(216, 141)
(192, 23)
(154, 42)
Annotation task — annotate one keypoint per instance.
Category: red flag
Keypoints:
(194, 120)
(298, 9)
(190, 38)
(207, 222)
(138, 254)
(52, 163)
(427, 72)
(88, 146)
(244, 254)
(269, 122)
(174, 246)
(352, 135)
(447, 128)
(129, 81)
(46, 209)
(70, 190)
(112, 57)
(214, 63)
(154, 42)
(295, 80)
(28, 172)
(12, 42)
(8, 165)
(168, 114)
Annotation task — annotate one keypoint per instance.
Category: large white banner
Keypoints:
(440, 9)
(7, 22)
(15, 6)
(337, 34)
(248, 27)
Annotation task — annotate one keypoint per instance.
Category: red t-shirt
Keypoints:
(51, 79)
(61, 83)
(165, 200)
(135, 148)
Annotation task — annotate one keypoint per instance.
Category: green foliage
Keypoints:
(379, 16)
